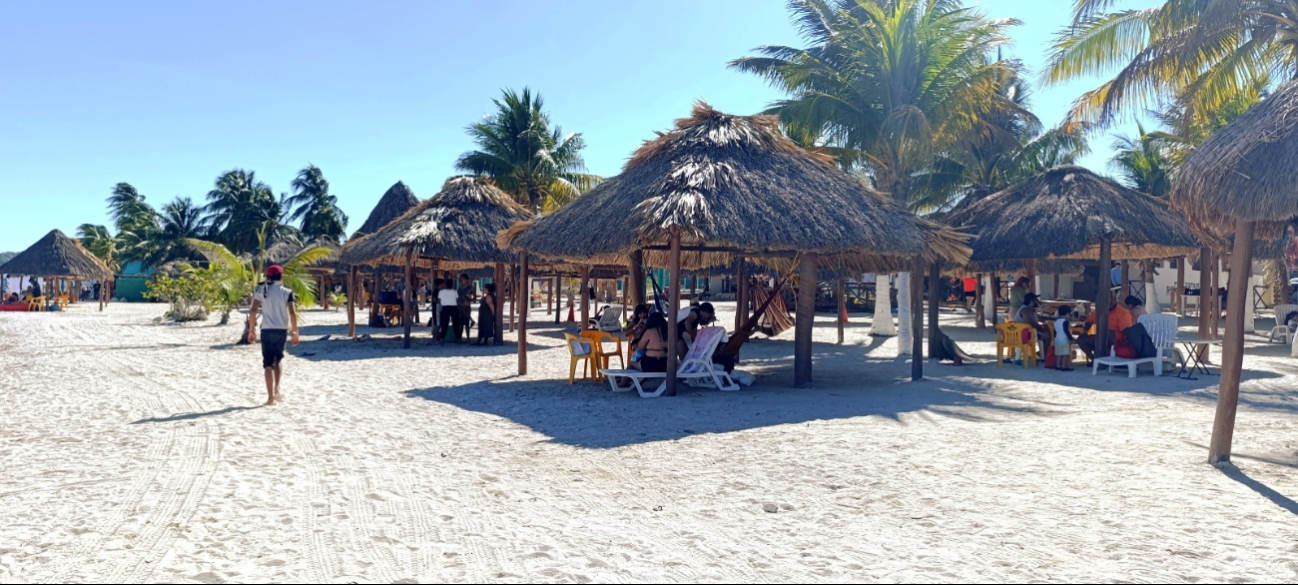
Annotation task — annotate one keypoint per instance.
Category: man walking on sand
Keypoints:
(278, 325)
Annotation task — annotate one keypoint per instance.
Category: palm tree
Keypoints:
(1142, 163)
(315, 206)
(127, 207)
(525, 156)
(99, 240)
(886, 84)
(1200, 53)
(239, 208)
(179, 221)
(239, 273)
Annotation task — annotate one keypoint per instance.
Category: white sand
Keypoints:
(134, 452)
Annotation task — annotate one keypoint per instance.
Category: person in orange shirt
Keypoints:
(1120, 320)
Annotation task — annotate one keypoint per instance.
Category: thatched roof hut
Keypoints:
(6, 256)
(394, 203)
(734, 185)
(1067, 212)
(1246, 171)
(1241, 181)
(458, 227)
(56, 255)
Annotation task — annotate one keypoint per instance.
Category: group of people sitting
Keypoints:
(1127, 337)
(648, 332)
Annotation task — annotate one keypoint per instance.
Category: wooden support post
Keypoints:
(636, 268)
(804, 324)
(1232, 356)
(352, 293)
(1102, 301)
(1216, 296)
(934, 299)
(549, 297)
(524, 304)
(840, 293)
(1054, 291)
(980, 317)
(1178, 296)
(557, 288)
(917, 321)
(673, 311)
(741, 294)
(585, 299)
(407, 315)
(1205, 285)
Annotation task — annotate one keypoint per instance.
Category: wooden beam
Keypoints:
(1126, 282)
(1205, 284)
(636, 270)
(804, 324)
(934, 301)
(524, 304)
(585, 298)
(840, 293)
(917, 321)
(1102, 299)
(741, 293)
(407, 315)
(352, 294)
(1178, 296)
(1232, 347)
(980, 316)
(673, 311)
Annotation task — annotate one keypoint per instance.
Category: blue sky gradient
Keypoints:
(166, 96)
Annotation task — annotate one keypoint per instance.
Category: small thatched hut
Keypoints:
(457, 228)
(1242, 180)
(718, 186)
(395, 202)
(57, 256)
(1070, 212)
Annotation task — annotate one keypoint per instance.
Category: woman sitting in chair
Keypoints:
(651, 351)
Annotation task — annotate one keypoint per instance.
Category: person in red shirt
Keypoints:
(970, 292)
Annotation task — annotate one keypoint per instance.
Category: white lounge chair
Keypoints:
(1162, 330)
(697, 368)
(609, 320)
(1282, 333)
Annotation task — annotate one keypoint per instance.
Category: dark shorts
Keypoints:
(653, 364)
(273, 342)
(969, 294)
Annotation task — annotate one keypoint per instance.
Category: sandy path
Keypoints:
(135, 452)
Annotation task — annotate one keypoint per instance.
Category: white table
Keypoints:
(1191, 364)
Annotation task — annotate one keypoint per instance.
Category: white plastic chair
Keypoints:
(1282, 332)
(1162, 330)
(697, 366)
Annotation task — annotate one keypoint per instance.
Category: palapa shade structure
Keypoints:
(57, 256)
(456, 228)
(718, 186)
(1069, 212)
(395, 202)
(1243, 180)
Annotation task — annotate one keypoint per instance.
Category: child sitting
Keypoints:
(1063, 340)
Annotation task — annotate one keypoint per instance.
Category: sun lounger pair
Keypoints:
(697, 368)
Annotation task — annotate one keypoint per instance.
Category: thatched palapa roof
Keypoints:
(1065, 213)
(394, 203)
(1247, 170)
(458, 227)
(56, 255)
(734, 184)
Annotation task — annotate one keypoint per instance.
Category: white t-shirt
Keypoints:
(448, 297)
(1061, 330)
(275, 302)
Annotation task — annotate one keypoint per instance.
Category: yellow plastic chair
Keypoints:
(1009, 338)
(579, 350)
(36, 305)
(63, 302)
(603, 355)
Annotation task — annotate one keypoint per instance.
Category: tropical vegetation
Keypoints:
(526, 155)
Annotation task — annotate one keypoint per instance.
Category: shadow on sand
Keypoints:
(610, 420)
(195, 415)
(1262, 489)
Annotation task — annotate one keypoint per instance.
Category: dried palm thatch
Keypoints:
(1247, 170)
(458, 227)
(56, 255)
(395, 203)
(1065, 213)
(734, 185)
(6, 256)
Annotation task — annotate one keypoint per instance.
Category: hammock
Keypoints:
(776, 319)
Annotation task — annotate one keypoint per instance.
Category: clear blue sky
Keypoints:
(166, 96)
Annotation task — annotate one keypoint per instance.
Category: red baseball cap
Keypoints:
(274, 271)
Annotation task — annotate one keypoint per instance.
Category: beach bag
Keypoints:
(1052, 360)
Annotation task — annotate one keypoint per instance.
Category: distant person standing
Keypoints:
(36, 288)
(1116, 274)
(464, 299)
(97, 289)
(970, 286)
(448, 300)
(487, 315)
(275, 304)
